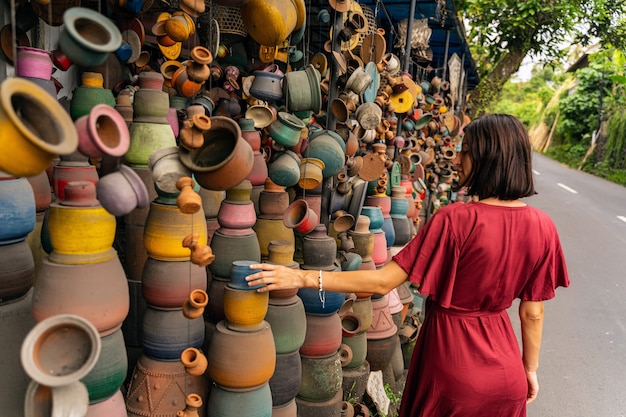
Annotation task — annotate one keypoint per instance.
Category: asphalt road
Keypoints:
(582, 367)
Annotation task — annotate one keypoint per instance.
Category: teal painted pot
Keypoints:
(17, 208)
(327, 146)
(286, 129)
(145, 139)
(86, 98)
(109, 372)
(288, 325)
(301, 90)
(375, 215)
(88, 37)
(226, 403)
(285, 169)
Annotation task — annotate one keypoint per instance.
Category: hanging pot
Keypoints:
(269, 22)
(33, 62)
(286, 129)
(102, 132)
(327, 146)
(34, 128)
(267, 85)
(301, 90)
(284, 170)
(64, 400)
(300, 217)
(122, 191)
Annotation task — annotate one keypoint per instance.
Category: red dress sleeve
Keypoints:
(431, 258)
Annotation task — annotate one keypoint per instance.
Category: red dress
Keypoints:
(473, 260)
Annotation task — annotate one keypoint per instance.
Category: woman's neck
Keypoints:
(495, 201)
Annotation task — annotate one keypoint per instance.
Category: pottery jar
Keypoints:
(88, 37)
(321, 377)
(17, 268)
(17, 205)
(273, 200)
(285, 383)
(167, 170)
(284, 170)
(269, 228)
(244, 309)
(286, 129)
(55, 401)
(183, 84)
(151, 105)
(289, 324)
(111, 407)
(147, 138)
(302, 91)
(267, 85)
(168, 284)
(165, 384)
(323, 335)
(358, 347)
(319, 249)
(81, 230)
(368, 115)
(122, 191)
(33, 62)
(238, 218)
(194, 360)
(240, 361)
(102, 132)
(331, 407)
(240, 269)
(34, 128)
(300, 217)
(314, 306)
(224, 160)
(194, 305)
(40, 184)
(109, 372)
(402, 230)
(198, 69)
(329, 147)
(165, 229)
(224, 402)
(60, 350)
(192, 403)
(249, 133)
(167, 333)
(228, 249)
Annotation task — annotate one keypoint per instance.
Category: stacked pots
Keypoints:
(379, 253)
(383, 201)
(83, 276)
(398, 214)
(273, 203)
(259, 168)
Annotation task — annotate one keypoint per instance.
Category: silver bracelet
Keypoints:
(322, 293)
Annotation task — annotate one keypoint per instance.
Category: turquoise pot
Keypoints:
(109, 372)
(375, 215)
(285, 169)
(327, 146)
(17, 209)
(286, 129)
(254, 403)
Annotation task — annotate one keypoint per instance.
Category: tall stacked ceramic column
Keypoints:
(321, 387)
(83, 275)
(17, 268)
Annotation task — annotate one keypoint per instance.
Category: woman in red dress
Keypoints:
(471, 260)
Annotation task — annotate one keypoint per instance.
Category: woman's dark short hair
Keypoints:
(501, 154)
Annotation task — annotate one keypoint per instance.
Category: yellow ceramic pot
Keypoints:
(34, 128)
(272, 229)
(245, 309)
(269, 22)
(166, 227)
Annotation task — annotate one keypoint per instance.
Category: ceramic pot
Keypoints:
(355, 381)
(224, 402)
(99, 292)
(165, 383)
(81, 230)
(285, 383)
(228, 249)
(165, 229)
(241, 361)
(224, 160)
(382, 326)
(300, 217)
(17, 204)
(102, 132)
(284, 170)
(194, 360)
(289, 324)
(109, 372)
(151, 105)
(167, 170)
(311, 173)
(88, 37)
(145, 139)
(64, 400)
(288, 410)
(286, 129)
(244, 309)
(17, 268)
(183, 84)
(358, 81)
(362, 307)
(34, 128)
(321, 378)
(122, 191)
(194, 305)
(89, 94)
(358, 347)
(111, 407)
(369, 115)
(318, 249)
(214, 312)
(41, 188)
(167, 333)
(323, 335)
(65, 172)
(198, 69)
(240, 269)
(273, 200)
(168, 284)
(262, 114)
(381, 351)
(301, 90)
(267, 85)
(375, 215)
(327, 146)
(269, 22)
(60, 350)
(33, 62)
(313, 305)
(268, 229)
(330, 407)
(402, 230)
(239, 218)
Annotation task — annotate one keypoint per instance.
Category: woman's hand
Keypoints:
(533, 386)
(278, 277)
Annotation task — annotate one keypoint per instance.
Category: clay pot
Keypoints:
(300, 217)
(286, 129)
(284, 170)
(268, 229)
(321, 378)
(238, 218)
(267, 84)
(240, 269)
(302, 91)
(323, 335)
(241, 360)
(111, 407)
(40, 184)
(17, 204)
(99, 293)
(33, 62)
(225, 402)
(17, 268)
(228, 249)
(355, 381)
(168, 284)
(88, 37)
(122, 191)
(311, 173)
(188, 201)
(273, 200)
(194, 361)
(167, 170)
(224, 160)
(244, 309)
(289, 324)
(330, 407)
(167, 333)
(58, 401)
(35, 128)
(60, 350)
(357, 345)
(198, 70)
(145, 139)
(318, 249)
(165, 382)
(285, 383)
(269, 23)
(194, 305)
(192, 403)
(288, 410)
(102, 132)
(109, 372)
(329, 147)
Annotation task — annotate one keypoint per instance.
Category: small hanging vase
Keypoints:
(198, 69)
(300, 217)
(102, 132)
(188, 201)
(201, 255)
(194, 360)
(191, 135)
(195, 304)
(193, 402)
(267, 84)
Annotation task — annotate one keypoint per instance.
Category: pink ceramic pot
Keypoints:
(33, 62)
(102, 132)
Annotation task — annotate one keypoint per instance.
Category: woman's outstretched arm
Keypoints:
(277, 277)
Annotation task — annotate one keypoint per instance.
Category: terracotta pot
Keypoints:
(167, 333)
(380, 352)
(17, 204)
(62, 400)
(99, 293)
(244, 309)
(355, 381)
(194, 360)
(241, 361)
(228, 249)
(151, 106)
(60, 350)
(224, 402)
(239, 218)
(183, 84)
(109, 372)
(321, 378)
(285, 383)
(165, 382)
(102, 132)
(35, 128)
(165, 229)
(111, 407)
(194, 305)
(379, 252)
(168, 284)
(289, 324)
(224, 161)
(300, 217)
(42, 190)
(273, 200)
(363, 308)
(323, 335)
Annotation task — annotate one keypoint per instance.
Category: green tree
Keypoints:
(503, 32)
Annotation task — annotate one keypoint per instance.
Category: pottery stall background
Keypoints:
(148, 161)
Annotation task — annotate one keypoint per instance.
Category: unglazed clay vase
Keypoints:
(329, 147)
(194, 305)
(167, 333)
(17, 204)
(269, 229)
(321, 377)
(285, 383)
(300, 217)
(224, 402)
(109, 372)
(33, 62)
(60, 350)
(97, 292)
(241, 361)
(194, 360)
(159, 387)
(323, 335)
(168, 284)
(34, 128)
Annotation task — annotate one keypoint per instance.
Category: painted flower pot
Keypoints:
(33, 62)
(150, 106)
(375, 215)
(244, 309)
(313, 305)
(323, 335)
(88, 37)
(224, 160)
(228, 248)
(319, 250)
(300, 217)
(34, 128)
(102, 132)
(239, 218)
(109, 372)
(240, 269)
(89, 94)
(17, 205)
(167, 333)
(60, 350)
(286, 129)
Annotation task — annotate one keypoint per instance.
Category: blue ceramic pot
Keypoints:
(238, 273)
(166, 333)
(313, 305)
(17, 209)
(375, 215)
